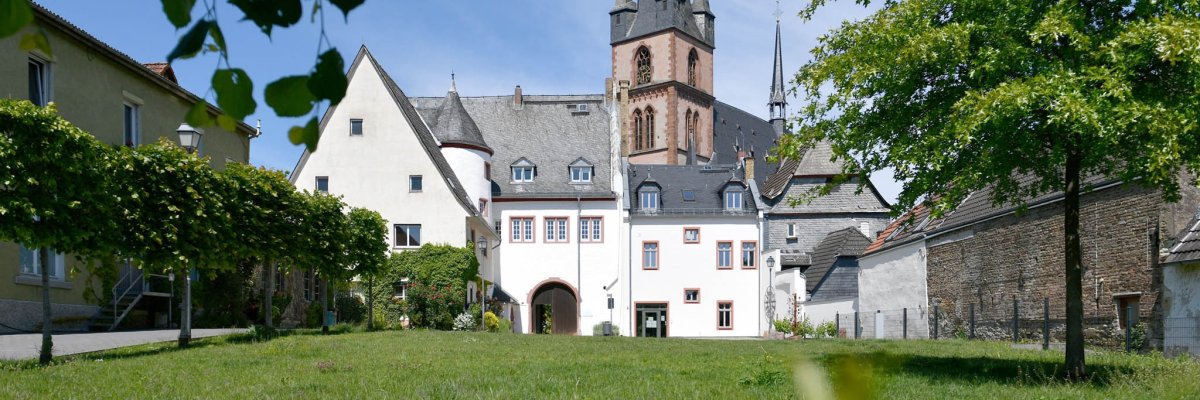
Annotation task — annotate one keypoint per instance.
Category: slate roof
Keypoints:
(777, 93)
(549, 132)
(734, 129)
(452, 124)
(977, 207)
(673, 14)
(814, 161)
(1187, 247)
(841, 199)
(847, 242)
(706, 182)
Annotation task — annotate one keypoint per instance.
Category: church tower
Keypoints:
(778, 103)
(663, 49)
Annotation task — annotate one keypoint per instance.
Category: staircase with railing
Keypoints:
(133, 285)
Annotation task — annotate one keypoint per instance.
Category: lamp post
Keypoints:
(771, 293)
(189, 138)
(482, 244)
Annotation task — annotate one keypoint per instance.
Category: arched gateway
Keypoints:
(554, 308)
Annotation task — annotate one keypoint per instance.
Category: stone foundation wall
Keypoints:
(27, 315)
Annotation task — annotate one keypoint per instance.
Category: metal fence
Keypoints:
(1023, 322)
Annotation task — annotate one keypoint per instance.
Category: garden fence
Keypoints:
(1022, 322)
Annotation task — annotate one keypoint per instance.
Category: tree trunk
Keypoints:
(1074, 258)
(268, 312)
(371, 303)
(324, 306)
(47, 326)
(185, 319)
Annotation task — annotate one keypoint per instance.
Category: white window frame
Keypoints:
(416, 178)
(523, 174)
(648, 200)
(408, 243)
(33, 267)
(317, 184)
(581, 174)
(557, 229)
(522, 230)
(46, 82)
(650, 255)
(132, 126)
(728, 318)
(591, 229)
(725, 259)
(361, 127)
(734, 200)
(792, 229)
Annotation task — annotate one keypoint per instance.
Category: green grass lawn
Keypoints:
(416, 364)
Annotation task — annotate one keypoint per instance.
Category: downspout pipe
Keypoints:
(578, 259)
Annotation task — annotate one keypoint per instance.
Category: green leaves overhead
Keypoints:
(347, 5)
(329, 82)
(235, 92)
(191, 42)
(36, 41)
(179, 12)
(268, 14)
(198, 116)
(14, 15)
(307, 134)
(290, 96)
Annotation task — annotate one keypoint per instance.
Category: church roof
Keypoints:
(453, 125)
(672, 14)
(777, 93)
(736, 130)
(548, 131)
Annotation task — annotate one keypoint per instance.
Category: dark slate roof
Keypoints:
(847, 242)
(452, 124)
(977, 207)
(424, 136)
(549, 132)
(736, 130)
(1187, 247)
(708, 184)
(814, 161)
(672, 14)
(843, 198)
(777, 93)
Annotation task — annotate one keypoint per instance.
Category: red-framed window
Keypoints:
(522, 230)
(591, 229)
(749, 254)
(557, 230)
(650, 255)
(724, 255)
(724, 315)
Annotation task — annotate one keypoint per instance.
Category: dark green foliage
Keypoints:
(290, 96)
(222, 297)
(179, 12)
(347, 5)
(14, 14)
(235, 92)
(268, 14)
(329, 81)
(192, 42)
(351, 309)
(437, 282)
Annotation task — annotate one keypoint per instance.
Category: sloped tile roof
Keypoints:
(1187, 247)
(847, 242)
(163, 69)
(841, 199)
(707, 184)
(452, 124)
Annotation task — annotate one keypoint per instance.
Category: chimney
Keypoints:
(748, 163)
(518, 99)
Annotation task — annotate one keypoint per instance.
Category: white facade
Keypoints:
(895, 279)
(1181, 303)
(374, 170)
(685, 266)
(470, 165)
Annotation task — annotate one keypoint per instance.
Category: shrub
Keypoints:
(491, 322)
(464, 322)
(313, 315)
(598, 330)
(783, 326)
(827, 329)
(803, 328)
(351, 309)
(260, 333)
(505, 326)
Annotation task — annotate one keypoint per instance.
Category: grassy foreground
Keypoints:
(416, 364)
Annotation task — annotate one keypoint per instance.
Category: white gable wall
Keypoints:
(373, 170)
(895, 279)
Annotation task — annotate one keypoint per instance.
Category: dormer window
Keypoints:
(523, 170)
(581, 171)
(733, 199)
(648, 199)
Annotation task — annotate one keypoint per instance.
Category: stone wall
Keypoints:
(814, 228)
(1020, 257)
(27, 316)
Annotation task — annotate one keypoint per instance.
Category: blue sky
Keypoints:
(546, 46)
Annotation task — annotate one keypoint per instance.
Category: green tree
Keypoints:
(291, 96)
(367, 251)
(1025, 96)
(261, 205)
(172, 214)
(53, 191)
(322, 240)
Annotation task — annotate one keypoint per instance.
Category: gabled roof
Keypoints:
(1187, 247)
(163, 69)
(847, 242)
(707, 182)
(814, 161)
(842, 198)
(103, 49)
(453, 125)
(423, 133)
(546, 131)
(673, 14)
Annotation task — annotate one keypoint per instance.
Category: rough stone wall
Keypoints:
(1021, 258)
(813, 228)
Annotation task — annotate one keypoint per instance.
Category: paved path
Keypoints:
(25, 346)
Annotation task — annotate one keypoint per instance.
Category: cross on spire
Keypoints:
(778, 11)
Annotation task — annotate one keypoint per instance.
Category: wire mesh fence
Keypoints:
(1028, 322)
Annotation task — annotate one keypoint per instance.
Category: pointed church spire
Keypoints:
(453, 86)
(778, 103)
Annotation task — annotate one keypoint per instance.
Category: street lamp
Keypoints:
(771, 292)
(189, 137)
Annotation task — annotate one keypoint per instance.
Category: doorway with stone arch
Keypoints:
(554, 309)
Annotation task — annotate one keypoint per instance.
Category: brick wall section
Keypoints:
(813, 228)
(1021, 257)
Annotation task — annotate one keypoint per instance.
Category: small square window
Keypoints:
(689, 195)
(415, 183)
(581, 174)
(356, 127)
(691, 295)
(323, 184)
(691, 235)
(408, 235)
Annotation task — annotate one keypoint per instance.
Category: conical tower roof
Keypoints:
(455, 126)
(777, 93)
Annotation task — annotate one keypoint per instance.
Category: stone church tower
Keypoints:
(662, 56)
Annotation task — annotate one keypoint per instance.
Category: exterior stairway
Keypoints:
(132, 287)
